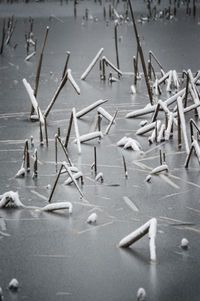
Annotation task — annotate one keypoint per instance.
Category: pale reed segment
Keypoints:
(183, 124)
(135, 236)
(77, 175)
(105, 114)
(89, 136)
(72, 81)
(90, 107)
(89, 68)
(33, 100)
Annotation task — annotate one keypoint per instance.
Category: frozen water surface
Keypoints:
(58, 256)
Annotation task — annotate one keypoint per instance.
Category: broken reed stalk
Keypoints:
(135, 70)
(26, 155)
(63, 82)
(68, 131)
(89, 68)
(112, 66)
(58, 132)
(188, 157)
(40, 126)
(116, 46)
(155, 58)
(103, 70)
(66, 65)
(99, 118)
(149, 69)
(193, 123)
(3, 37)
(41, 135)
(125, 168)
(156, 131)
(46, 133)
(141, 55)
(95, 160)
(56, 150)
(183, 125)
(161, 162)
(90, 108)
(64, 150)
(164, 158)
(111, 123)
(37, 79)
(55, 183)
(76, 130)
(72, 82)
(187, 88)
(35, 164)
(155, 114)
(179, 130)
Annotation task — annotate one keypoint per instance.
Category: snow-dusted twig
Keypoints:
(90, 108)
(89, 68)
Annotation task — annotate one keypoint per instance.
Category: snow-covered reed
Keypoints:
(58, 206)
(105, 114)
(72, 81)
(89, 68)
(90, 107)
(151, 227)
(77, 175)
(12, 198)
(92, 219)
(89, 136)
(183, 124)
(159, 169)
(33, 100)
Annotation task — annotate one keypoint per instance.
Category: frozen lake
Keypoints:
(57, 256)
